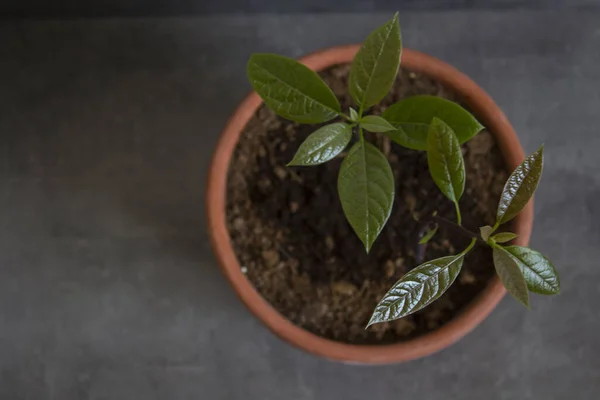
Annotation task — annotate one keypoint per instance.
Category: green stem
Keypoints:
(360, 133)
(469, 247)
(344, 116)
(458, 216)
(496, 225)
(457, 228)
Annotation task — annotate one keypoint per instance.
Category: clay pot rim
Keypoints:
(489, 115)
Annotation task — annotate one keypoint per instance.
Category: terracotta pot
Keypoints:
(488, 114)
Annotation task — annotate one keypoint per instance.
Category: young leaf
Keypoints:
(412, 117)
(291, 89)
(366, 190)
(375, 66)
(429, 235)
(353, 115)
(323, 144)
(485, 232)
(445, 160)
(520, 186)
(504, 237)
(417, 289)
(510, 275)
(373, 123)
(539, 273)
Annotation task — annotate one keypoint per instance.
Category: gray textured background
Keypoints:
(108, 287)
(104, 8)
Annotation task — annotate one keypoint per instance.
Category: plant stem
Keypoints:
(469, 247)
(458, 216)
(457, 228)
(496, 225)
(344, 116)
(360, 133)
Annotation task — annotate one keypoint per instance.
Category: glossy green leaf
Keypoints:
(485, 232)
(445, 160)
(353, 115)
(520, 186)
(291, 89)
(374, 123)
(504, 237)
(429, 235)
(366, 190)
(510, 275)
(323, 144)
(412, 117)
(539, 273)
(418, 288)
(375, 66)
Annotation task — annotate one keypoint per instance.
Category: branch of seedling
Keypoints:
(436, 220)
(366, 183)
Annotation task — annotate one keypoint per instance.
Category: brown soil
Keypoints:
(295, 245)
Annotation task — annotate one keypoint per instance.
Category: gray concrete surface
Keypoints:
(108, 287)
(161, 8)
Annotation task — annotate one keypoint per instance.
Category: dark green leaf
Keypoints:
(417, 289)
(373, 123)
(485, 232)
(375, 66)
(429, 235)
(520, 186)
(539, 273)
(291, 89)
(323, 144)
(412, 117)
(366, 189)
(353, 115)
(504, 237)
(510, 275)
(445, 160)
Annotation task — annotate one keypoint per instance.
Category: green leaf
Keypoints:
(353, 115)
(429, 235)
(539, 273)
(485, 232)
(323, 144)
(445, 160)
(504, 237)
(510, 275)
(373, 123)
(520, 186)
(366, 190)
(291, 89)
(375, 66)
(412, 117)
(417, 289)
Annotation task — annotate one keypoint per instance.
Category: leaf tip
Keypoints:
(485, 232)
(436, 121)
(395, 18)
(540, 151)
(524, 300)
(374, 320)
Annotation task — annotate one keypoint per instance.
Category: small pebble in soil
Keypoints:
(390, 269)
(344, 288)
(271, 257)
